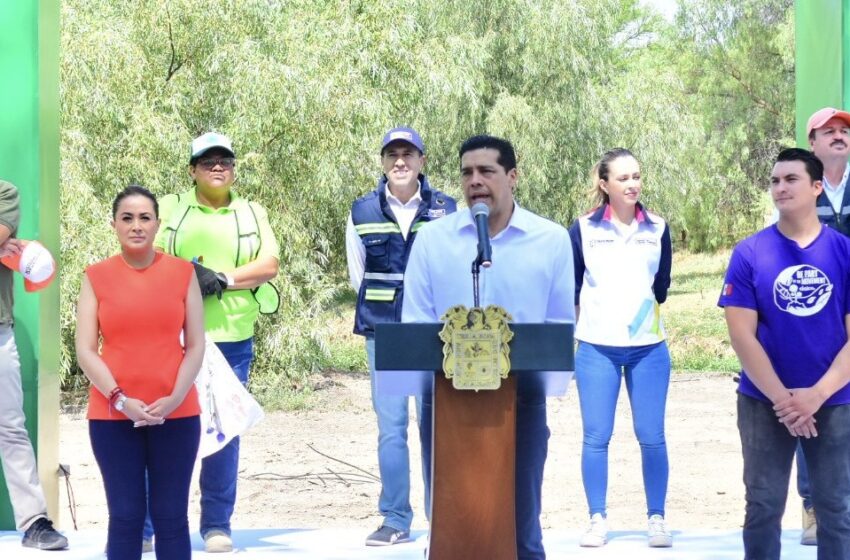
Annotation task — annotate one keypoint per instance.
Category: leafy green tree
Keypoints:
(307, 88)
(737, 63)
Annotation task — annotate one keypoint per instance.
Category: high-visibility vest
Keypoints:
(247, 242)
(380, 296)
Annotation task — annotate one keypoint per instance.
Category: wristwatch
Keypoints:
(120, 402)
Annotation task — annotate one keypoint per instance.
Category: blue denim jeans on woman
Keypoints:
(393, 454)
(599, 370)
(167, 453)
(219, 470)
(768, 450)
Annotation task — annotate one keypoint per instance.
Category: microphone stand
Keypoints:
(476, 269)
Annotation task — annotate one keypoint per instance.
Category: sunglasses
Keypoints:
(224, 163)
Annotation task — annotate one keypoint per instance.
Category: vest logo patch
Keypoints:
(436, 212)
(594, 242)
(801, 290)
(647, 241)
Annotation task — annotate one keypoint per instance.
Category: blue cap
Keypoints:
(405, 134)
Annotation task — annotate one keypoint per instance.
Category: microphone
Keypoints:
(480, 213)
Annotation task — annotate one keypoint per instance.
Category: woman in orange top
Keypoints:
(143, 409)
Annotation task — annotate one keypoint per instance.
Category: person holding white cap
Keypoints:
(19, 464)
(235, 253)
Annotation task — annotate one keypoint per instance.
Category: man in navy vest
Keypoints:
(379, 234)
(829, 139)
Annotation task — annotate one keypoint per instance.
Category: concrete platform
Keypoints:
(347, 544)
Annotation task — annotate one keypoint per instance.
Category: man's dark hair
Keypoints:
(507, 156)
(814, 167)
(131, 190)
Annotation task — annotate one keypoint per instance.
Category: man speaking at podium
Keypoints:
(530, 275)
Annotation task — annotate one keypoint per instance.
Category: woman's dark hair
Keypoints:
(131, 190)
(601, 170)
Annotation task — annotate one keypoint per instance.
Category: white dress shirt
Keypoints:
(531, 275)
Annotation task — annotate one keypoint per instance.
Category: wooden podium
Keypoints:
(473, 433)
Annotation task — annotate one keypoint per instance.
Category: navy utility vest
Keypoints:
(380, 296)
(840, 220)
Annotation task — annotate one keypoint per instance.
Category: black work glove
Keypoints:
(211, 282)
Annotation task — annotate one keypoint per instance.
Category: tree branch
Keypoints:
(175, 64)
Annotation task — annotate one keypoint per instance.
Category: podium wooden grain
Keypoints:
(473, 458)
(473, 481)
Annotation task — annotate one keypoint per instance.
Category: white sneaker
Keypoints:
(217, 541)
(659, 536)
(597, 534)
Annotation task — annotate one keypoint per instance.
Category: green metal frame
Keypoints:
(822, 36)
(29, 158)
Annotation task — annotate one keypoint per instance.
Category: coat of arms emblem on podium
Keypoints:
(475, 346)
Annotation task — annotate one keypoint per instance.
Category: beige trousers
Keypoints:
(16, 451)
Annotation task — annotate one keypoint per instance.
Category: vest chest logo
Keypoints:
(597, 242)
(647, 241)
(436, 212)
(371, 241)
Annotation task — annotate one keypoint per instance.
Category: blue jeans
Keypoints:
(599, 370)
(393, 454)
(532, 447)
(219, 470)
(167, 454)
(803, 478)
(147, 532)
(768, 450)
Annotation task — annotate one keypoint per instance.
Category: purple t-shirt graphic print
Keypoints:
(801, 297)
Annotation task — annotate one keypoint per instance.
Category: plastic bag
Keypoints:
(227, 408)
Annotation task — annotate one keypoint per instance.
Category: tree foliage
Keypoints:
(307, 88)
(737, 63)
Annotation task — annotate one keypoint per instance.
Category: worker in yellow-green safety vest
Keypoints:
(236, 255)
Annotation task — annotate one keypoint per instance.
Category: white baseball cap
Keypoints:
(208, 141)
(35, 263)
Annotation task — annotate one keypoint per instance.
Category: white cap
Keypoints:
(35, 263)
(208, 141)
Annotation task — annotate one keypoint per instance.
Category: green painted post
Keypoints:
(845, 42)
(822, 58)
(29, 158)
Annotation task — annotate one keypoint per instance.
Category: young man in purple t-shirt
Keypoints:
(787, 304)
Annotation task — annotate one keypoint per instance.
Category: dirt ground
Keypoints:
(319, 468)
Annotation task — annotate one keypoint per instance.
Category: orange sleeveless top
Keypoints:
(140, 316)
